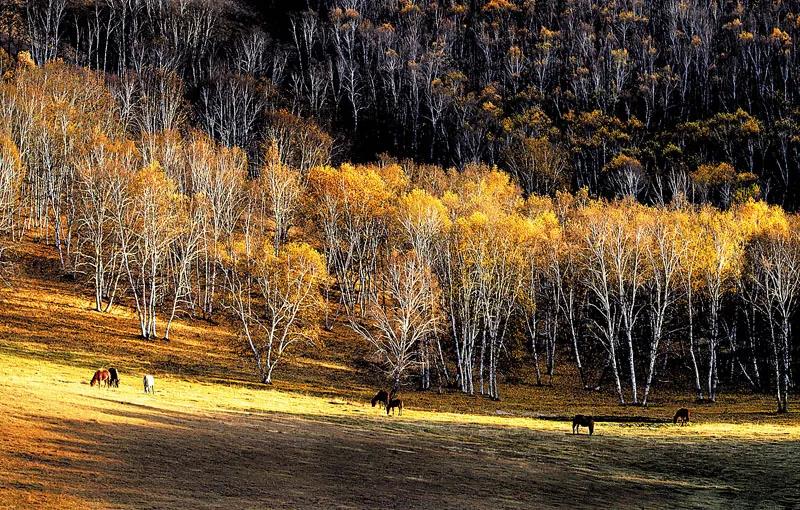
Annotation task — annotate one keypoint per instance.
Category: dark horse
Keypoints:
(681, 414)
(381, 397)
(395, 403)
(582, 421)
(101, 377)
(114, 377)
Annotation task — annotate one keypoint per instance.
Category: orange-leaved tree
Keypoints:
(103, 176)
(276, 299)
(149, 220)
(354, 208)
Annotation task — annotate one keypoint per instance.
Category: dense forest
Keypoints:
(627, 98)
(469, 187)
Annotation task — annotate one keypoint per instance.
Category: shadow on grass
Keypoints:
(177, 459)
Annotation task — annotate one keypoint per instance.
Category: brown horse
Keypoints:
(101, 377)
(582, 421)
(681, 414)
(394, 403)
(381, 397)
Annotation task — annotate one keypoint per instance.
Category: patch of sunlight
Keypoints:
(60, 386)
(323, 364)
(39, 298)
(200, 328)
(668, 482)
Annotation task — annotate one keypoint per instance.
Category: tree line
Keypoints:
(455, 277)
(639, 98)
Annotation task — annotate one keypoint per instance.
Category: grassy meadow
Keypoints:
(210, 437)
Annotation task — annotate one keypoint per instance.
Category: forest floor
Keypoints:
(211, 438)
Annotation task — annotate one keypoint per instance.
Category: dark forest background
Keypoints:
(626, 98)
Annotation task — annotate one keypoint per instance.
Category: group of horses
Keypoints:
(110, 379)
(106, 377)
(388, 402)
(580, 420)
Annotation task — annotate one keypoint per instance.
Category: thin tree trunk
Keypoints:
(651, 368)
(697, 386)
(615, 371)
(632, 365)
(531, 325)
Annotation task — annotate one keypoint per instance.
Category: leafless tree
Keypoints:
(231, 107)
(44, 25)
(778, 258)
(406, 317)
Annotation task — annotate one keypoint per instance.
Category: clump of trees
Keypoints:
(632, 291)
(446, 273)
(167, 221)
(10, 189)
(631, 98)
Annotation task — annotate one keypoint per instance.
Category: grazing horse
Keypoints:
(100, 378)
(149, 384)
(681, 414)
(582, 421)
(114, 377)
(396, 402)
(381, 397)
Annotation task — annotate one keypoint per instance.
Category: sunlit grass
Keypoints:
(65, 444)
(64, 388)
(50, 321)
(47, 401)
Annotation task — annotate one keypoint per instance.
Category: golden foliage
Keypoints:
(713, 175)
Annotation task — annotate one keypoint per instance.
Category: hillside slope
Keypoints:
(44, 316)
(212, 438)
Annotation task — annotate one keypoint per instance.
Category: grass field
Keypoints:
(211, 438)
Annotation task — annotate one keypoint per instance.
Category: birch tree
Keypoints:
(424, 221)
(276, 299)
(720, 266)
(692, 283)
(283, 187)
(353, 214)
(500, 270)
(777, 254)
(405, 319)
(11, 176)
(44, 27)
(149, 222)
(11, 180)
(665, 250)
(103, 177)
(217, 176)
(599, 280)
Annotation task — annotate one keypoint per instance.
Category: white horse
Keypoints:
(149, 383)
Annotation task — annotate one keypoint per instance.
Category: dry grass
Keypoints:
(211, 438)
